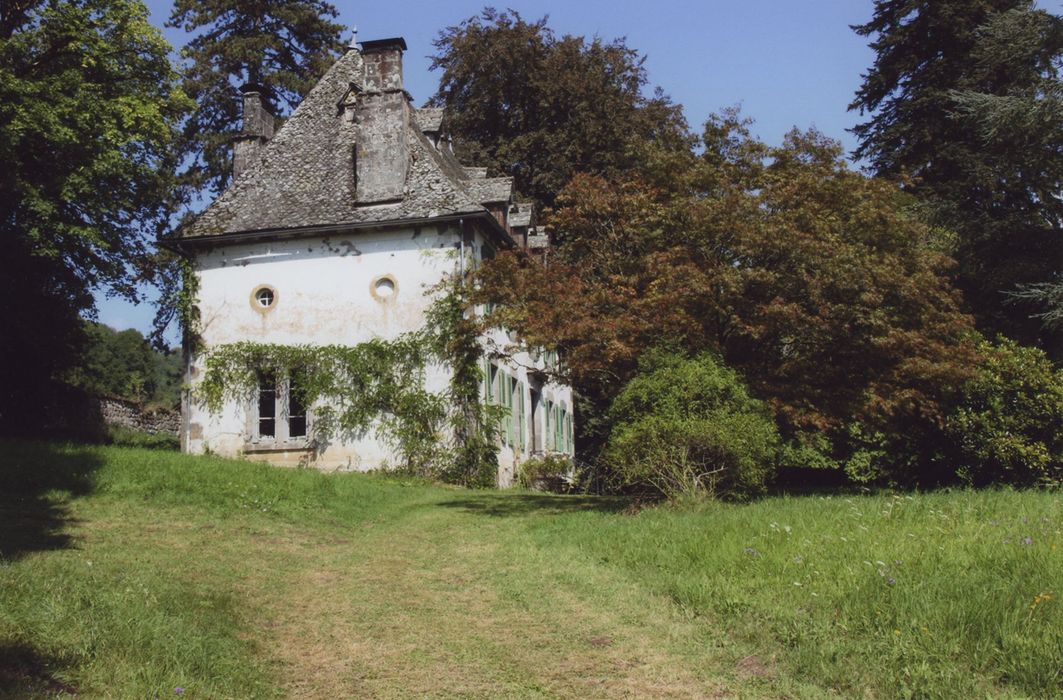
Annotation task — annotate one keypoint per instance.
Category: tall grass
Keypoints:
(952, 594)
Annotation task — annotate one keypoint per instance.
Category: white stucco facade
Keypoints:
(345, 289)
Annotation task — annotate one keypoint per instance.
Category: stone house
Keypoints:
(331, 232)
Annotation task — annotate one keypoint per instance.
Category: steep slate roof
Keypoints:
(305, 177)
(520, 216)
(492, 189)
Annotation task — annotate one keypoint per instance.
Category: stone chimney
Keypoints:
(381, 142)
(257, 130)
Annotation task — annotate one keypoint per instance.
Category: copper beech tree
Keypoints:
(816, 282)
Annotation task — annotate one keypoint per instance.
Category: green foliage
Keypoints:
(541, 108)
(122, 364)
(1002, 427)
(374, 386)
(379, 386)
(454, 337)
(1008, 425)
(965, 97)
(552, 472)
(687, 427)
(89, 107)
(178, 290)
(282, 45)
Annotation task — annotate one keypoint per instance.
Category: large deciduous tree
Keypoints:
(964, 98)
(89, 104)
(541, 108)
(282, 45)
(814, 281)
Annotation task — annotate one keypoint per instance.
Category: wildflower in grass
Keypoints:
(1026, 541)
(1039, 599)
(178, 690)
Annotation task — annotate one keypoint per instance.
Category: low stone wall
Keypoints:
(130, 415)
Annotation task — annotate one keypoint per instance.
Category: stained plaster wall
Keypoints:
(324, 295)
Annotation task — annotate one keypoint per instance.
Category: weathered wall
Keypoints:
(129, 415)
(325, 293)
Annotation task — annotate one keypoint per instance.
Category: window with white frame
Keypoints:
(280, 414)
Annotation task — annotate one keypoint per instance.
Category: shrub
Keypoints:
(689, 427)
(1008, 426)
(550, 472)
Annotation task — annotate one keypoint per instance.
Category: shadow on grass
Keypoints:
(36, 481)
(502, 504)
(26, 673)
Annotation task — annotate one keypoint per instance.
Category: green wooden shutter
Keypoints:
(558, 437)
(571, 435)
(522, 418)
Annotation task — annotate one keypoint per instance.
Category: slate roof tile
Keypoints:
(305, 176)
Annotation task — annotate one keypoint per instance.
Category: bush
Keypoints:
(1008, 426)
(689, 427)
(550, 472)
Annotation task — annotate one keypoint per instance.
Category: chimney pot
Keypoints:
(383, 64)
(256, 130)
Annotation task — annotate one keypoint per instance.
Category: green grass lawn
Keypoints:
(141, 574)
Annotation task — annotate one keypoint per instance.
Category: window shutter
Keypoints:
(512, 413)
(558, 440)
(521, 417)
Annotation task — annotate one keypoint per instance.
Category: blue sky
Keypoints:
(787, 63)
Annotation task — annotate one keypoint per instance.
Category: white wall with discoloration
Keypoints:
(324, 294)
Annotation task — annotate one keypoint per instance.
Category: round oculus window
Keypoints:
(263, 298)
(384, 287)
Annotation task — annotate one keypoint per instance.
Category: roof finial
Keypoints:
(354, 38)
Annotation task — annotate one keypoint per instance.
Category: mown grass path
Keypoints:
(128, 573)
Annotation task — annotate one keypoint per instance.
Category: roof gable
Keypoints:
(305, 176)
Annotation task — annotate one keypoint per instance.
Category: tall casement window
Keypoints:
(296, 410)
(281, 415)
(267, 406)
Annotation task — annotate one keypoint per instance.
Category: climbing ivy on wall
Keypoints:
(378, 386)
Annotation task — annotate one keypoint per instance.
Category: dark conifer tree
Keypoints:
(964, 98)
(282, 45)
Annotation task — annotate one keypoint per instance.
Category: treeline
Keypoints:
(124, 365)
